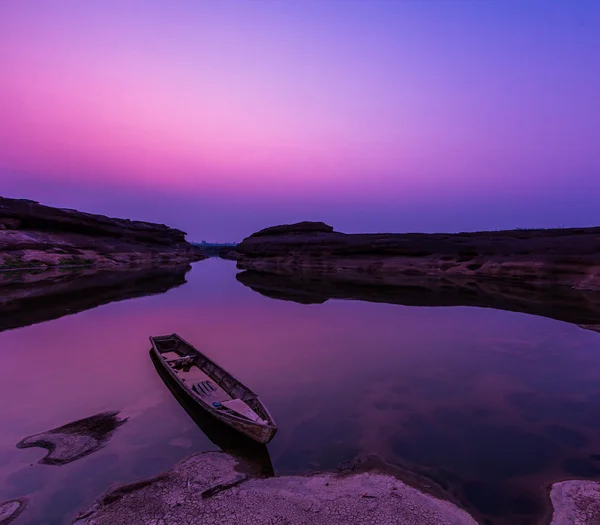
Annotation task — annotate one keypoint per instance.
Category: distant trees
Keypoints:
(217, 244)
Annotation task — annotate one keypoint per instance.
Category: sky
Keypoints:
(221, 118)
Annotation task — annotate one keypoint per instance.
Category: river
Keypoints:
(491, 405)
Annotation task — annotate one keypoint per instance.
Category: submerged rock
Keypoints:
(11, 509)
(74, 440)
(576, 503)
(213, 487)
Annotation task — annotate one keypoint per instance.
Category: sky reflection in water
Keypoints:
(492, 405)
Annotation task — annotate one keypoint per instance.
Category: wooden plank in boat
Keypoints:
(238, 406)
(211, 395)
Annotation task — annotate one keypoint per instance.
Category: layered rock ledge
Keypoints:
(554, 273)
(36, 236)
(565, 257)
(215, 488)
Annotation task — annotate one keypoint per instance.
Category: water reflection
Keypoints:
(29, 297)
(561, 303)
(254, 455)
(491, 405)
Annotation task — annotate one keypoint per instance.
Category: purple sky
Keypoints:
(225, 117)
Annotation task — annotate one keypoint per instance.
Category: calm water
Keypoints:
(492, 405)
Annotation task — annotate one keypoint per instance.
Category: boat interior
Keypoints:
(208, 381)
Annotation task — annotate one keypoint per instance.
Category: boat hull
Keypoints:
(223, 436)
(259, 433)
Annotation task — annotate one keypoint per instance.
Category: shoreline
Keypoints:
(559, 257)
(219, 487)
(34, 236)
(47, 267)
(215, 487)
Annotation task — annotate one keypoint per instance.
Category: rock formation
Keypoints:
(537, 271)
(74, 440)
(565, 257)
(11, 509)
(213, 487)
(33, 235)
(575, 503)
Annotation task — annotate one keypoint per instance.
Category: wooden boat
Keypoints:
(213, 389)
(255, 456)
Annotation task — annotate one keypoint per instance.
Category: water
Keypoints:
(491, 405)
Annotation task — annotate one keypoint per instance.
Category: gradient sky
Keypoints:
(224, 117)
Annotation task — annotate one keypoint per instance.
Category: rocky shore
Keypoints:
(36, 236)
(553, 273)
(216, 488)
(560, 257)
(575, 503)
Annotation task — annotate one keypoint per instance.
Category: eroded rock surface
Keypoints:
(74, 440)
(213, 488)
(576, 503)
(10, 510)
(567, 258)
(34, 235)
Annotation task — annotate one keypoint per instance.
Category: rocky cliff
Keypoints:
(533, 258)
(34, 235)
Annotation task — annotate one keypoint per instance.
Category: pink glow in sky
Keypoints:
(369, 114)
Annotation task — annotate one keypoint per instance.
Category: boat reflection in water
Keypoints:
(254, 455)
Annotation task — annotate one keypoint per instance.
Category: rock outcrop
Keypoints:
(213, 487)
(299, 228)
(528, 258)
(217, 488)
(28, 297)
(576, 503)
(34, 235)
(74, 440)
(11, 509)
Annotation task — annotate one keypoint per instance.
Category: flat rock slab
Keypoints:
(74, 440)
(576, 503)
(213, 488)
(10, 510)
